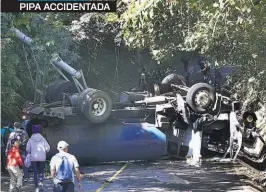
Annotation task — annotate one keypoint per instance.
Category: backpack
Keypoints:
(23, 139)
(65, 170)
(6, 135)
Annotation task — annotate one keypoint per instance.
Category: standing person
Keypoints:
(6, 130)
(33, 121)
(24, 125)
(143, 83)
(206, 71)
(61, 166)
(14, 166)
(23, 138)
(185, 62)
(37, 147)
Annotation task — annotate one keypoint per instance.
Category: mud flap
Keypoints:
(177, 129)
(178, 142)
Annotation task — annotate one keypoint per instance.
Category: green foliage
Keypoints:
(9, 79)
(226, 31)
(156, 25)
(20, 62)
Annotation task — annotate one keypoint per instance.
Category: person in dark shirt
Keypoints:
(143, 82)
(33, 121)
(205, 70)
(185, 62)
(4, 139)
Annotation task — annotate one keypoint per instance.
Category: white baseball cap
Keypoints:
(62, 145)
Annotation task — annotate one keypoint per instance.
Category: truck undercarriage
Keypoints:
(171, 107)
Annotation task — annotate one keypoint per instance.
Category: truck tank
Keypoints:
(107, 142)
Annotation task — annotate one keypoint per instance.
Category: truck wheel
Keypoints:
(49, 89)
(96, 105)
(60, 88)
(171, 79)
(201, 97)
(81, 100)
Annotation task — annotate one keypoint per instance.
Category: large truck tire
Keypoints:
(171, 79)
(201, 97)
(81, 99)
(49, 89)
(59, 88)
(95, 105)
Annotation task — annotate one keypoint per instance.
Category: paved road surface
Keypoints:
(154, 177)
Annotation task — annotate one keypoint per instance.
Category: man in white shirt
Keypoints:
(62, 167)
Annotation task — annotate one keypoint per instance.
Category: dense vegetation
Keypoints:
(109, 46)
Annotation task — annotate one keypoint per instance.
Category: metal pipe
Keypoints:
(83, 78)
(22, 36)
(60, 63)
(60, 72)
(57, 60)
(153, 100)
(78, 84)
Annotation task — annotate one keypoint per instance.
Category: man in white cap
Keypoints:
(62, 167)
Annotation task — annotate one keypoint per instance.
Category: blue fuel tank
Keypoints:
(107, 142)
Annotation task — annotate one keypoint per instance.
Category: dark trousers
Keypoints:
(64, 187)
(3, 160)
(23, 154)
(38, 169)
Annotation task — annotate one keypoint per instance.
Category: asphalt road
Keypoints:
(157, 176)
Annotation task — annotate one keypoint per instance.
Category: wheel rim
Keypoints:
(202, 99)
(98, 107)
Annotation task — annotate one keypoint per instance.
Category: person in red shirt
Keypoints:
(14, 166)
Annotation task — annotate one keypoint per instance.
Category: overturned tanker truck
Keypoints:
(141, 126)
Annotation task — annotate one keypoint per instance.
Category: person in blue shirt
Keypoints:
(24, 124)
(4, 138)
(5, 127)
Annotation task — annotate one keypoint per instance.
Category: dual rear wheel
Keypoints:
(95, 105)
